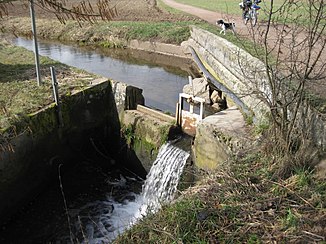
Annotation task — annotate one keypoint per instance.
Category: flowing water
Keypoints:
(102, 205)
(161, 86)
(112, 218)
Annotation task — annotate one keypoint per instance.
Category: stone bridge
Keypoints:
(242, 78)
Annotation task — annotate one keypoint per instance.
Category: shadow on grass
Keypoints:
(16, 72)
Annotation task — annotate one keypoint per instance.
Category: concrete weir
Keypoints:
(149, 129)
(31, 151)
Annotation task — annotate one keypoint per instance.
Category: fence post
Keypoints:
(37, 60)
(56, 96)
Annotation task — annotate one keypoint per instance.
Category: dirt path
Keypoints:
(287, 49)
(210, 16)
(207, 15)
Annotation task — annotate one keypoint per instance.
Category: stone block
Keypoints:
(219, 137)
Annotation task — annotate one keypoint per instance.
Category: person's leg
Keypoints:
(244, 13)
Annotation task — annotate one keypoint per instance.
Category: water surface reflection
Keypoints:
(160, 86)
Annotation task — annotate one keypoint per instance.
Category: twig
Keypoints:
(65, 203)
(279, 184)
(164, 232)
(98, 227)
(137, 176)
(81, 229)
(314, 235)
(97, 150)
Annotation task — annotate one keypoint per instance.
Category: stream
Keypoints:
(161, 84)
(88, 204)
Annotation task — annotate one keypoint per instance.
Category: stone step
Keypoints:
(155, 113)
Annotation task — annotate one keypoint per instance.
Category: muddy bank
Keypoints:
(168, 56)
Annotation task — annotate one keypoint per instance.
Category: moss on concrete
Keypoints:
(145, 134)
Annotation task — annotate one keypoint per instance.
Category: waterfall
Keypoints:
(159, 188)
(162, 180)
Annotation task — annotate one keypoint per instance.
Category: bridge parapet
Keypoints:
(234, 68)
(246, 77)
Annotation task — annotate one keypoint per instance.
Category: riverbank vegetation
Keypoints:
(242, 202)
(109, 34)
(117, 34)
(20, 94)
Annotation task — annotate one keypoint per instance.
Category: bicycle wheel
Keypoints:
(254, 18)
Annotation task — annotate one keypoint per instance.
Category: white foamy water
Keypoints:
(162, 180)
(112, 218)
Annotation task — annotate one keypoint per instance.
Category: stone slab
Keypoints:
(218, 137)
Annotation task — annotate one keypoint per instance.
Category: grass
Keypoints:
(295, 13)
(105, 32)
(171, 10)
(164, 31)
(239, 204)
(20, 94)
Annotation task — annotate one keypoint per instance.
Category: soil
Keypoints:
(136, 10)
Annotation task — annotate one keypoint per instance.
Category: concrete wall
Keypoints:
(233, 67)
(243, 74)
(148, 130)
(31, 150)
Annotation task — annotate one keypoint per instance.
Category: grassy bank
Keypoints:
(242, 203)
(20, 94)
(116, 34)
(109, 34)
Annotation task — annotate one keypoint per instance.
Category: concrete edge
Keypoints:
(156, 114)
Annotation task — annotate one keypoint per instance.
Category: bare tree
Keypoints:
(293, 41)
(63, 10)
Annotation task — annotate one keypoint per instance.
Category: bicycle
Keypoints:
(252, 13)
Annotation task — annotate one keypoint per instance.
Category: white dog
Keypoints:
(226, 26)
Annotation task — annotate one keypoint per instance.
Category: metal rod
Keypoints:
(37, 61)
(201, 110)
(56, 95)
(191, 85)
(180, 109)
(54, 86)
